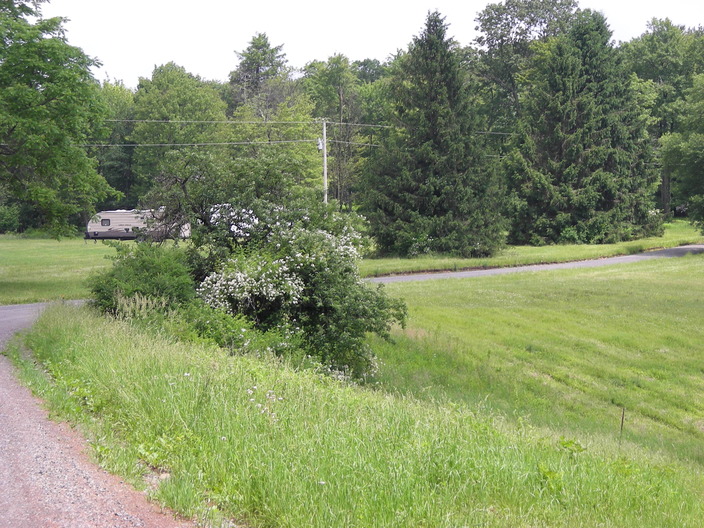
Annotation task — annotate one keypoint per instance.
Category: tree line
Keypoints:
(542, 130)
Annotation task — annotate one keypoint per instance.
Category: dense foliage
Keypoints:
(542, 129)
(580, 171)
(683, 152)
(48, 107)
(428, 188)
(296, 282)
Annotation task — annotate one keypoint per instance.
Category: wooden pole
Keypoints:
(325, 161)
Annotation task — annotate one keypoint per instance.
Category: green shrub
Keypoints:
(304, 283)
(9, 218)
(197, 321)
(149, 270)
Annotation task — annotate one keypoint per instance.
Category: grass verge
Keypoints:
(676, 234)
(251, 439)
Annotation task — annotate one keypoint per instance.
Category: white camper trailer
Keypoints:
(128, 224)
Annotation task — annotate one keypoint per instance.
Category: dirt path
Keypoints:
(594, 263)
(46, 478)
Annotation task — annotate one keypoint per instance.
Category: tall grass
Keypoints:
(251, 439)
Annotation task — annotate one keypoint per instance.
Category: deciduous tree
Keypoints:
(507, 30)
(683, 152)
(334, 88)
(668, 56)
(49, 104)
(176, 111)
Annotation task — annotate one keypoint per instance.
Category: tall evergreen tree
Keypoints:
(260, 64)
(580, 170)
(427, 188)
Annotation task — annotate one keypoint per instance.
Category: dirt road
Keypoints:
(46, 478)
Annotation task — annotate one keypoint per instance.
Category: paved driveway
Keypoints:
(594, 263)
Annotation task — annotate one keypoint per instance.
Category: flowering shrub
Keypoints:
(307, 280)
(239, 222)
(281, 280)
(254, 285)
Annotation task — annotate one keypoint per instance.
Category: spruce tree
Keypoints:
(426, 188)
(580, 171)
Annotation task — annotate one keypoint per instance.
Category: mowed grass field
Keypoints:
(569, 351)
(35, 270)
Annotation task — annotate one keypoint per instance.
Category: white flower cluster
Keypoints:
(240, 221)
(268, 406)
(344, 246)
(247, 283)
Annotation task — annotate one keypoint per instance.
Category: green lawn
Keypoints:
(676, 234)
(566, 350)
(34, 270)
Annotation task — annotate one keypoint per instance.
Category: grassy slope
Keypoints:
(39, 270)
(676, 234)
(273, 447)
(568, 349)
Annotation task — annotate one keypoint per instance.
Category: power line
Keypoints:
(358, 125)
(231, 122)
(353, 143)
(202, 144)
(196, 121)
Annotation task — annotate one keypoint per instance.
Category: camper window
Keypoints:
(105, 222)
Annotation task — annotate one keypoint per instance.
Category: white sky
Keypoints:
(131, 37)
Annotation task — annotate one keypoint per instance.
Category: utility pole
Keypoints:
(325, 161)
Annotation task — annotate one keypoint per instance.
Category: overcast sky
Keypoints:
(130, 37)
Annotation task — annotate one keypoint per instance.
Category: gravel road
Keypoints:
(46, 478)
